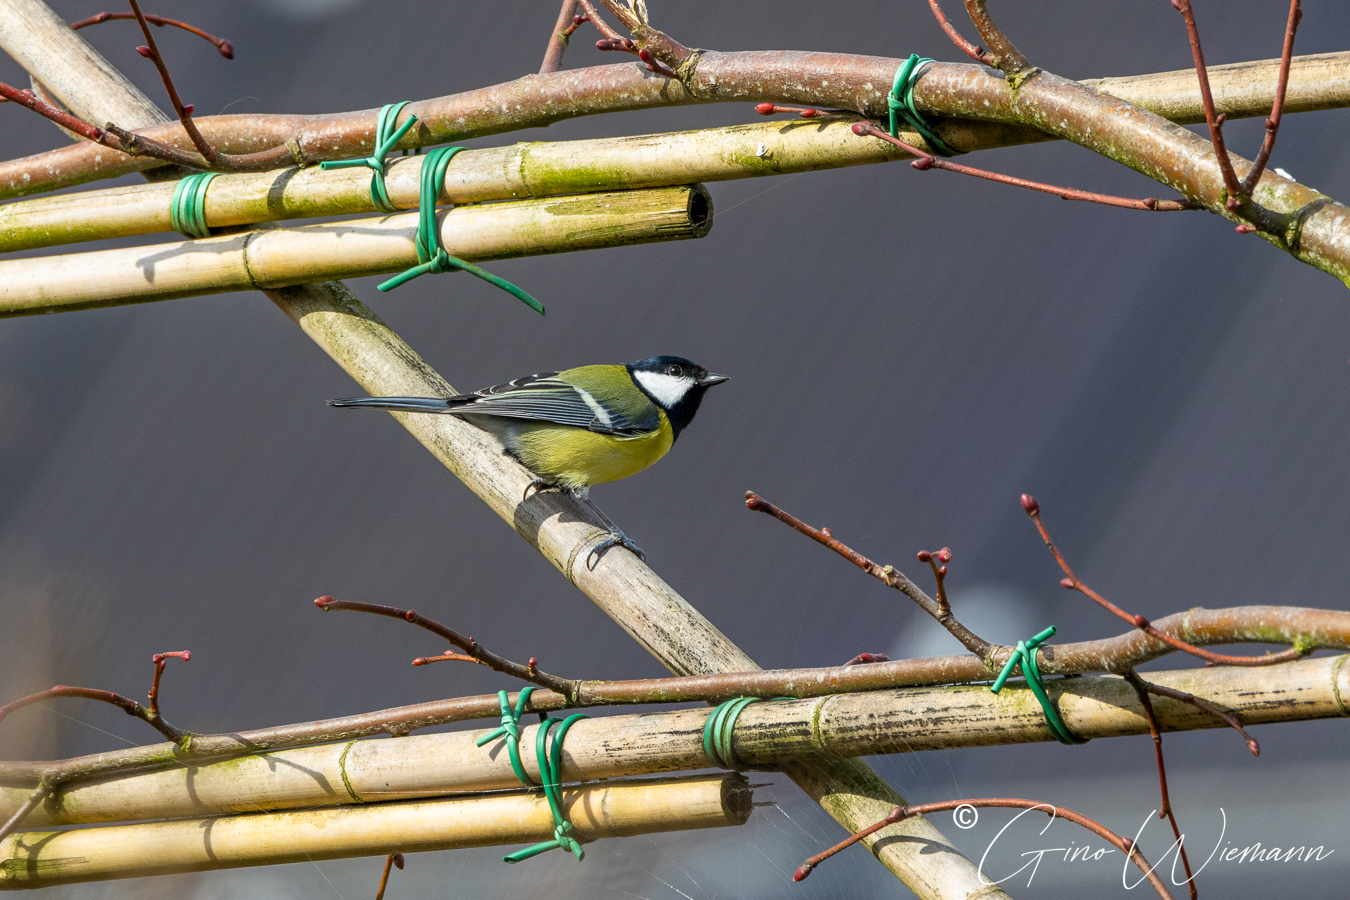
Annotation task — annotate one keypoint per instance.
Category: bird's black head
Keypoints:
(675, 384)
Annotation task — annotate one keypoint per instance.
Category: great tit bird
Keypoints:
(580, 427)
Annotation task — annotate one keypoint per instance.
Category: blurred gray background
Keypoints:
(909, 351)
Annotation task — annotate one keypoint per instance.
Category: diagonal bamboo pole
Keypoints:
(903, 720)
(623, 586)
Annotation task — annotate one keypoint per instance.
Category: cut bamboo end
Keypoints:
(40, 859)
(277, 258)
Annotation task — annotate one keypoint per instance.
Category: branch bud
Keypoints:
(1030, 505)
(764, 109)
(924, 556)
(802, 871)
(945, 554)
(1140, 622)
(603, 44)
(862, 128)
(923, 163)
(226, 49)
(143, 51)
(322, 602)
(187, 109)
(1066, 583)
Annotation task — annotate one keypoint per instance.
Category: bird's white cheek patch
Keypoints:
(668, 389)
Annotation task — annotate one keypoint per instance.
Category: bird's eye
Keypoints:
(674, 371)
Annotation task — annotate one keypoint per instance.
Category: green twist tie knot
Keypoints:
(431, 255)
(386, 136)
(1025, 655)
(550, 771)
(187, 210)
(510, 727)
(901, 104)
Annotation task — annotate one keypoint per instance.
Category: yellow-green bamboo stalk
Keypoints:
(475, 176)
(40, 859)
(274, 258)
(837, 726)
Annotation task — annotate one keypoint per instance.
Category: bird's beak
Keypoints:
(710, 379)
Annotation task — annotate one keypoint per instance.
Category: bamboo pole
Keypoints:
(836, 726)
(630, 592)
(537, 169)
(280, 257)
(41, 859)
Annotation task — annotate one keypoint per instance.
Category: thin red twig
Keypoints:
(1074, 583)
(979, 54)
(150, 715)
(476, 651)
(1165, 805)
(161, 660)
(1002, 54)
(900, 813)
(39, 794)
(612, 40)
(888, 575)
(393, 859)
(927, 160)
(567, 23)
(1230, 718)
(1277, 108)
(1214, 119)
(151, 52)
(769, 109)
(224, 47)
(938, 563)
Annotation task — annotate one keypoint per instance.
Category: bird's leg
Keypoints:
(616, 536)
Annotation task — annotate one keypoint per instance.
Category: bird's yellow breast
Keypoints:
(577, 458)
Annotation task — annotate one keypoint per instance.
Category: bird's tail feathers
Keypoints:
(405, 404)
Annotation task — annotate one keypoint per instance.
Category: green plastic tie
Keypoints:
(510, 727)
(901, 103)
(386, 136)
(550, 769)
(187, 210)
(717, 732)
(431, 255)
(1025, 655)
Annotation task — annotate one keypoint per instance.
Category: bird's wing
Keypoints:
(548, 398)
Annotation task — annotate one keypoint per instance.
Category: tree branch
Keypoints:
(475, 651)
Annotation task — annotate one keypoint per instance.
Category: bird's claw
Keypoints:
(614, 539)
(538, 486)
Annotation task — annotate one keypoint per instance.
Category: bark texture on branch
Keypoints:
(858, 83)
